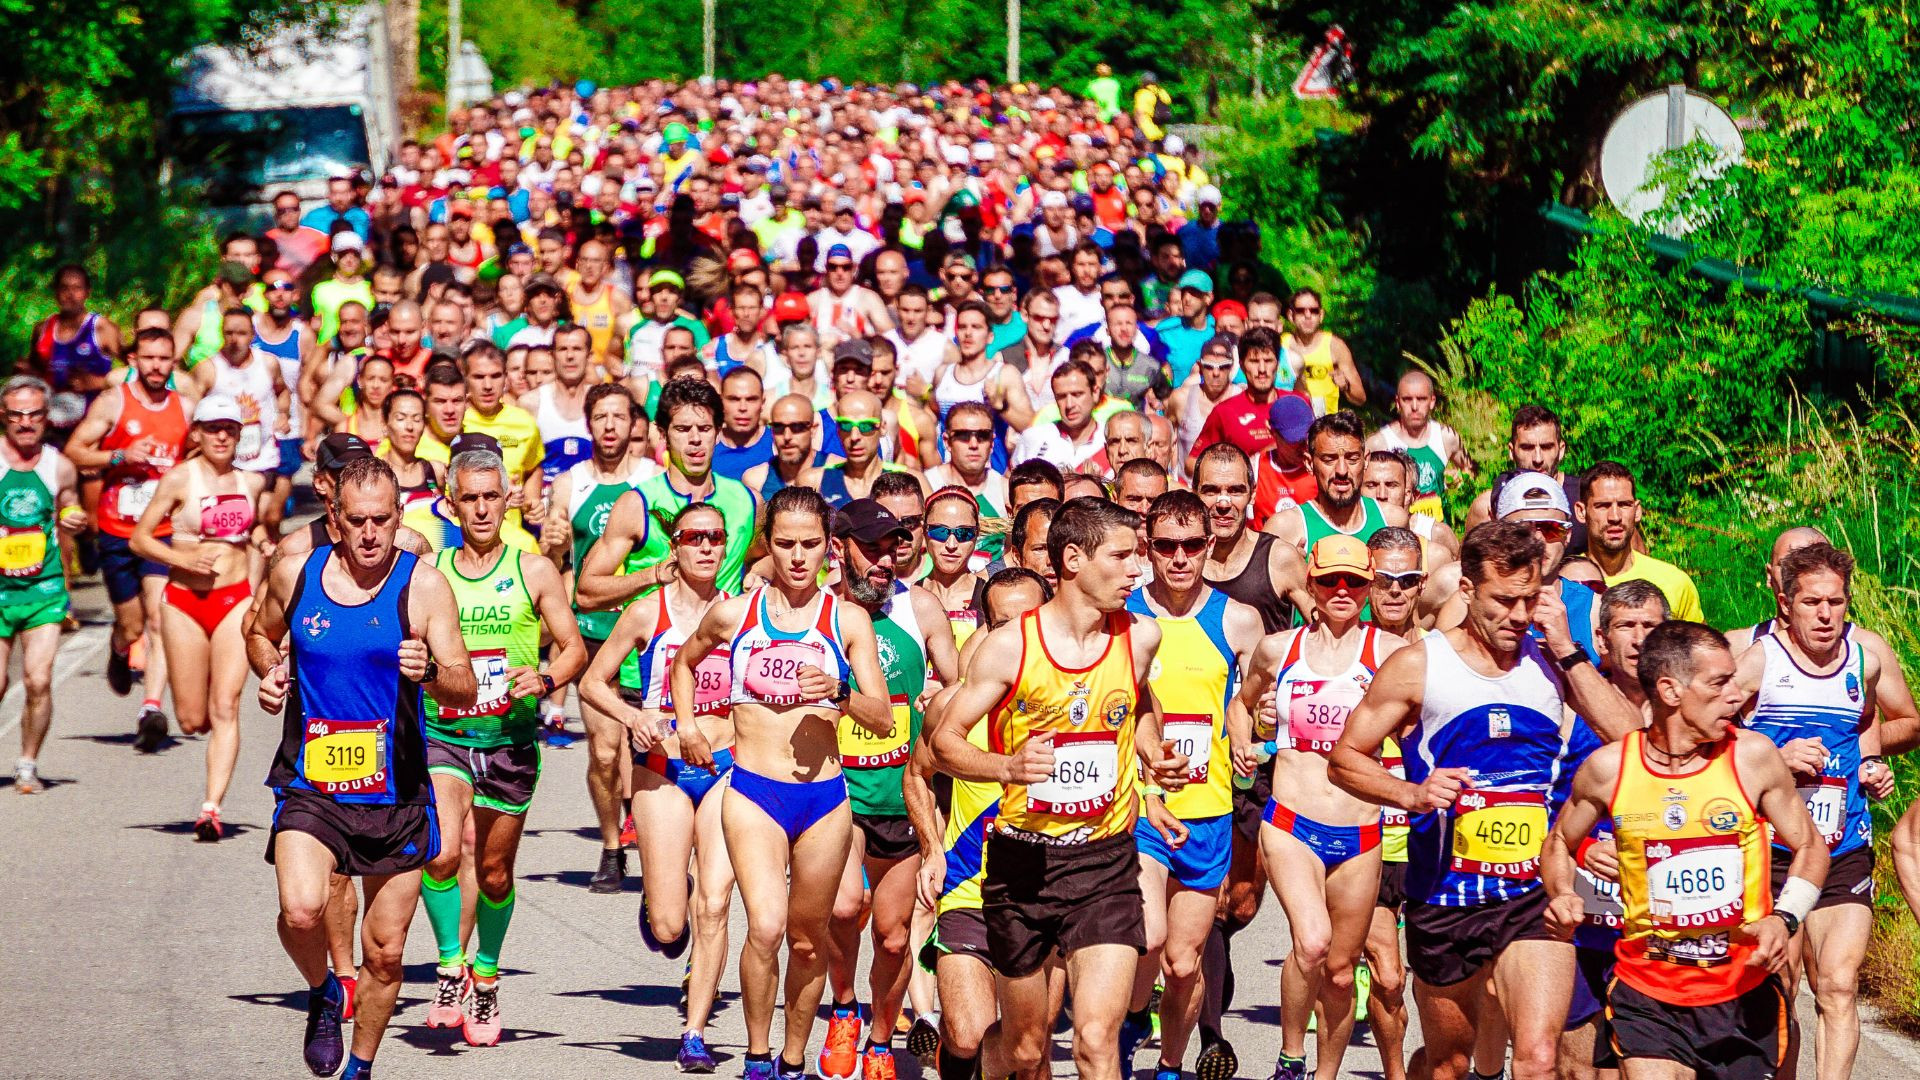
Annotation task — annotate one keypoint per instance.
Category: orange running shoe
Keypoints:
(877, 1064)
(840, 1055)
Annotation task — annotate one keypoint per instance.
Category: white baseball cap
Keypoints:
(347, 240)
(1054, 200)
(1208, 194)
(212, 410)
(1531, 491)
(1175, 144)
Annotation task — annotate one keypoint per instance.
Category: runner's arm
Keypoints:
(166, 498)
(556, 530)
(1899, 718)
(1391, 704)
(434, 617)
(931, 614)
(1586, 804)
(83, 448)
(715, 627)
(1346, 373)
(1770, 787)
(1018, 409)
(550, 597)
(630, 633)
(1607, 711)
(1287, 570)
(870, 709)
(989, 678)
(598, 583)
(923, 810)
(267, 625)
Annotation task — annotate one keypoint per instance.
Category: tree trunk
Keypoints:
(403, 32)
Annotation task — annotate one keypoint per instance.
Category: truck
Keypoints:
(311, 102)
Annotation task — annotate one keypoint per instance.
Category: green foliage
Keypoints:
(525, 42)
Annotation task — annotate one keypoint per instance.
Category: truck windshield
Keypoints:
(238, 153)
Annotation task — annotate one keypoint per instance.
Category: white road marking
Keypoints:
(76, 650)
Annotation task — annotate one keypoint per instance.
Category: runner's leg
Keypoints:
(390, 900)
(153, 588)
(893, 903)
(1300, 880)
(850, 902)
(713, 899)
(1189, 924)
(1534, 984)
(227, 677)
(1387, 1000)
(1447, 1021)
(343, 911)
(38, 646)
(666, 845)
(819, 858)
(1351, 889)
(1101, 979)
(761, 870)
(302, 866)
(440, 885)
(1836, 944)
(609, 765)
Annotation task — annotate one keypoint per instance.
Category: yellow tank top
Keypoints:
(1694, 866)
(1316, 369)
(597, 317)
(1092, 793)
(969, 823)
(1193, 676)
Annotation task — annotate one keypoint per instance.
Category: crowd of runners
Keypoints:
(953, 546)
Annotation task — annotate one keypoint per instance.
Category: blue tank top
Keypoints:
(833, 486)
(1602, 926)
(1795, 704)
(734, 461)
(287, 348)
(354, 728)
(1579, 598)
(80, 353)
(559, 455)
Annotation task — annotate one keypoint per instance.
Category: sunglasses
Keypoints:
(1341, 581)
(1551, 531)
(1306, 311)
(864, 425)
(967, 435)
(913, 523)
(280, 286)
(1405, 581)
(1165, 546)
(839, 266)
(965, 534)
(21, 416)
(701, 537)
(1000, 289)
(795, 428)
(1223, 365)
(961, 275)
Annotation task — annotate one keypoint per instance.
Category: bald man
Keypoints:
(858, 415)
(796, 445)
(1434, 445)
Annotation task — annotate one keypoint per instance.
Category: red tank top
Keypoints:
(1274, 489)
(127, 488)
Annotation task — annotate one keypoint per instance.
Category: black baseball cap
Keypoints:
(866, 521)
(474, 440)
(337, 449)
(855, 349)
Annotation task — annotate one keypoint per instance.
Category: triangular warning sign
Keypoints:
(1330, 66)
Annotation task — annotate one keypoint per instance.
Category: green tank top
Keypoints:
(875, 766)
(592, 503)
(30, 570)
(736, 505)
(502, 630)
(1431, 469)
(1371, 521)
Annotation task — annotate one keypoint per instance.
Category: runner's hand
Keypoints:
(273, 689)
(1565, 914)
(74, 521)
(1550, 615)
(1266, 722)
(525, 682)
(932, 875)
(693, 748)
(1170, 828)
(1603, 860)
(413, 659)
(1805, 756)
(1877, 779)
(1770, 940)
(1170, 772)
(204, 561)
(535, 512)
(1033, 762)
(644, 733)
(1245, 761)
(1441, 788)
(814, 683)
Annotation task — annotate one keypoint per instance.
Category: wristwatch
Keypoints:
(1573, 659)
(843, 692)
(432, 672)
(1793, 924)
(547, 681)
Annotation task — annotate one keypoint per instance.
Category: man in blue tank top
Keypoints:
(1480, 715)
(368, 627)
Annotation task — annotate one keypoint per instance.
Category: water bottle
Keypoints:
(1263, 753)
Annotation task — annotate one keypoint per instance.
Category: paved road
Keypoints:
(128, 949)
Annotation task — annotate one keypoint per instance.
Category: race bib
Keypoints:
(711, 681)
(1827, 802)
(862, 749)
(1499, 833)
(490, 671)
(225, 517)
(22, 551)
(1393, 817)
(1086, 775)
(345, 757)
(1318, 712)
(131, 499)
(773, 672)
(252, 437)
(1695, 884)
(1602, 898)
(1192, 735)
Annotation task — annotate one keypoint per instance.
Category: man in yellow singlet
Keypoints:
(1322, 360)
(1069, 716)
(596, 304)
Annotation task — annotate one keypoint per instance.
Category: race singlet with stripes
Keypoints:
(1092, 793)
(501, 626)
(1832, 708)
(1693, 868)
(1507, 731)
(875, 765)
(969, 822)
(1193, 677)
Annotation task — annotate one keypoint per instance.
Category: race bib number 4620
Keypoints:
(1499, 833)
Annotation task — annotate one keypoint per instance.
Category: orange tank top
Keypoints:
(160, 433)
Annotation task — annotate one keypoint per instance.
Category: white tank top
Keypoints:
(1314, 706)
(546, 414)
(950, 390)
(251, 388)
(1193, 417)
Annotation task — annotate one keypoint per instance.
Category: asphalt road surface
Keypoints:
(128, 949)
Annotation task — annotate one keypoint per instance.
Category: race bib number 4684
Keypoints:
(1086, 775)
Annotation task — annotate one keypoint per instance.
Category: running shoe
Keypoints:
(840, 1054)
(629, 835)
(758, 1070)
(876, 1063)
(481, 1024)
(694, 1057)
(26, 777)
(1290, 1068)
(119, 672)
(348, 984)
(612, 873)
(449, 998)
(1217, 1062)
(207, 828)
(1133, 1035)
(902, 1023)
(669, 949)
(923, 1038)
(1362, 990)
(784, 1071)
(1166, 1072)
(150, 730)
(322, 1048)
(556, 730)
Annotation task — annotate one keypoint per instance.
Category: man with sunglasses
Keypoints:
(858, 419)
(795, 428)
(969, 465)
(843, 309)
(1242, 419)
(1185, 838)
(1002, 297)
(915, 640)
(286, 337)
(958, 277)
(300, 245)
(39, 500)
(1336, 452)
